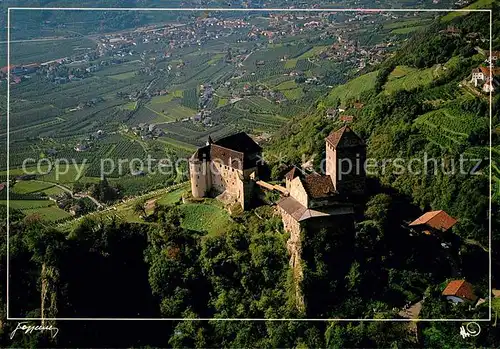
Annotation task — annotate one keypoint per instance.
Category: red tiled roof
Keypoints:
(6, 68)
(344, 137)
(461, 289)
(439, 220)
(346, 118)
(318, 186)
(486, 71)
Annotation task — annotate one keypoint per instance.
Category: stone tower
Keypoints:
(199, 171)
(345, 160)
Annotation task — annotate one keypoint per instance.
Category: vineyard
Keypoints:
(353, 89)
(406, 78)
(449, 128)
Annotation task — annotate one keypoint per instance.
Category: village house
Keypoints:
(484, 78)
(331, 113)
(459, 291)
(346, 118)
(81, 147)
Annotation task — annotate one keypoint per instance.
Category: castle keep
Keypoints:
(226, 167)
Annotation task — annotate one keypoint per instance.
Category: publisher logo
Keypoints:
(472, 329)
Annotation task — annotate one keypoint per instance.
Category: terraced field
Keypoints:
(123, 76)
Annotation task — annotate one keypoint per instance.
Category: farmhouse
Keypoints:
(331, 113)
(433, 223)
(346, 118)
(459, 291)
(484, 78)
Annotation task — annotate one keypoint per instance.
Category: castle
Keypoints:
(230, 167)
(309, 202)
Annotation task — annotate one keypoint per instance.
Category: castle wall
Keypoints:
(298, 192)
(235, 182)
(294, 249)
(247, 186)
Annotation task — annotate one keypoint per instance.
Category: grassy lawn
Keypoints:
(217, 57)
(169, 110)
(123, 76)
(27, 204)
(294, 94)
(403, 23)
(177, 144)
(129, 106)
(316, 50)
(287, 85)
(51, 213)
(53, 191)
(162, 99)
(178, 93)
(353, 89)
(24, 187)
(161, 117)
(172, 197)
(205, 217)
(291, 63)
(222, 102)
